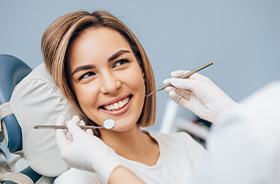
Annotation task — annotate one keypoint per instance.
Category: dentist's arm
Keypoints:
(87, 152)
(200, 95)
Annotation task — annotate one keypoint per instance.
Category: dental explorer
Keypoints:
(107, 124)
(182, 77)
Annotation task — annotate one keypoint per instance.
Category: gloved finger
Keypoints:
(180, 91)
(165, 81)
(184, 103)
(183, 93)
(198, 76)
(187, 84)
(82, 123)
(169, 88)
(178, 73)
(73, 126)
(180, 99)
(68, 134)
(89, 131)
(174, 96)
(60, 121)
(187, 94)
(61, 138)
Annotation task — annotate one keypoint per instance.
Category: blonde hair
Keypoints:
(61, 32)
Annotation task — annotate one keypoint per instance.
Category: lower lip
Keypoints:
(119, 112)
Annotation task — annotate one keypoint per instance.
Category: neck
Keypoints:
(133, 144)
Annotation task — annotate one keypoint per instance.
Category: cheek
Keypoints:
(86, 96)
(137, 83)
(135, 78)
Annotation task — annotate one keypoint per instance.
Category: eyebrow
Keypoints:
(84, 67)
(117, 54)
(111, 58)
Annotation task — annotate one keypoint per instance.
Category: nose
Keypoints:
(110, 83)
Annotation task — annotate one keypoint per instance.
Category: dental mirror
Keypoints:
(107, 124)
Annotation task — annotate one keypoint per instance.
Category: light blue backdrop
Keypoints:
(242, 37)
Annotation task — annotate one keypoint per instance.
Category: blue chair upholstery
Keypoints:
(12, 71)
(30, 173)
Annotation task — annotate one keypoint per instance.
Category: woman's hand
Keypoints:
(82, 150)
(200, 95)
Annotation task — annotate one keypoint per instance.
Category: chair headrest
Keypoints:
(13, 70)
(36, 100)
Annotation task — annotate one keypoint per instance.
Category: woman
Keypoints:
(102, 69)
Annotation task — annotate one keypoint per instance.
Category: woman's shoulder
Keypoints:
(180, 140)
(183, 136)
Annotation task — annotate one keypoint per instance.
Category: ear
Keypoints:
(143, 75)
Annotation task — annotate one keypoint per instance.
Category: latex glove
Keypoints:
(200, 95)
(84, 150)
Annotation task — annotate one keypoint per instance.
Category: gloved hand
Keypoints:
(84, 150)
(200, 95)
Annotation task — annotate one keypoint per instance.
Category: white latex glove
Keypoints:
(200, 95)
(84, 150)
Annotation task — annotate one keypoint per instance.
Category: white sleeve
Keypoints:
(244, 147)
(74, 176)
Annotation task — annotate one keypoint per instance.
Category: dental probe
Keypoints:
(107, 124)
(182, 77)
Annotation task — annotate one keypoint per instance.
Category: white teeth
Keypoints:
(121, 104)
(118, 105)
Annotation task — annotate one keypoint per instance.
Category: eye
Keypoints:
(120, 62)
(86, 75)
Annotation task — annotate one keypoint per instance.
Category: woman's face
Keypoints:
(106, 78)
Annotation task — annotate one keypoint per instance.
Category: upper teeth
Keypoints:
(118, 105)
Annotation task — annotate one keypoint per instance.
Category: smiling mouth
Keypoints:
(117, 105)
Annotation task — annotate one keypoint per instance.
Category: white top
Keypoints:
(179, 154)
(244, 147)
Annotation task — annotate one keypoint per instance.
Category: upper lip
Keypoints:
(114, 100)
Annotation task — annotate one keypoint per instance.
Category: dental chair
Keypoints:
(28, 98)
(12, 71)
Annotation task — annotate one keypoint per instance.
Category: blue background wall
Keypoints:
(242, 37)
